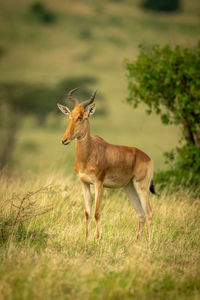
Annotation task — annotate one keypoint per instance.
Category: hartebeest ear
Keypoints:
(65, 110)
(91, 110)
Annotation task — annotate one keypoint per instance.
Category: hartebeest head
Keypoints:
(78, 117)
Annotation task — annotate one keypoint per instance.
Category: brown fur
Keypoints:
(106, 165)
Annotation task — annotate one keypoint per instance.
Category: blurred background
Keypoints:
(49, 47)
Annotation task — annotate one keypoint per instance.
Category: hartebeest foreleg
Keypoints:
(135, 201)
(98, 195)
(142, 189)
(87, 197)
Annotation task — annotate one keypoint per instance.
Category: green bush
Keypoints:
(168, 82)
(42, 14)
(161, 5)
(184, 169)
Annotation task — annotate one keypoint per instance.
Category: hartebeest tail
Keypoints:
(152, 188)
(106, 165)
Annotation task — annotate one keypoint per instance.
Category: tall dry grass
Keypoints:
(47, 257)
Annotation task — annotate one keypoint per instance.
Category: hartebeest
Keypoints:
(105, 165)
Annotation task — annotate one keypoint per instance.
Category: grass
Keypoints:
(51, 259)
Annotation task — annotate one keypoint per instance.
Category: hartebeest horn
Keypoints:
(70, 96)
(88, 102)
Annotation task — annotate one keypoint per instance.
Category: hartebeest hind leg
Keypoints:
(142, 189)
(87, 198)
(135, 201)
(98, 194)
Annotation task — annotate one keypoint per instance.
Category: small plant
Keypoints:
(21, 209)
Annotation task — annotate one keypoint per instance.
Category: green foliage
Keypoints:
(42, 14)
(167, 81)
(184, 169)
(162, 5)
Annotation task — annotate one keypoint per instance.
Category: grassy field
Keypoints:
(44, 255)
(47, 257)
(89, 38)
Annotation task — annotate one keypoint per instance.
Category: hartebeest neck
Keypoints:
(83, 148)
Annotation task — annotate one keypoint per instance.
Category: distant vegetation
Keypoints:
(168, 82)
(162, 5)
(20, 99)
(2, 51)
(42, 13)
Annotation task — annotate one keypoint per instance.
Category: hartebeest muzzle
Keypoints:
(64, 141)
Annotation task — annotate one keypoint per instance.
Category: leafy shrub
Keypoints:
(168, 82)
(161, 5)
(184, 169)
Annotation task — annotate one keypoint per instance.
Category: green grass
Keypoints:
(47, 257)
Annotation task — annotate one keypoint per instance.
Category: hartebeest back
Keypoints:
(105, 165)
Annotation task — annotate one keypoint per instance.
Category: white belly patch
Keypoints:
(112, 182)
(86, 178)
